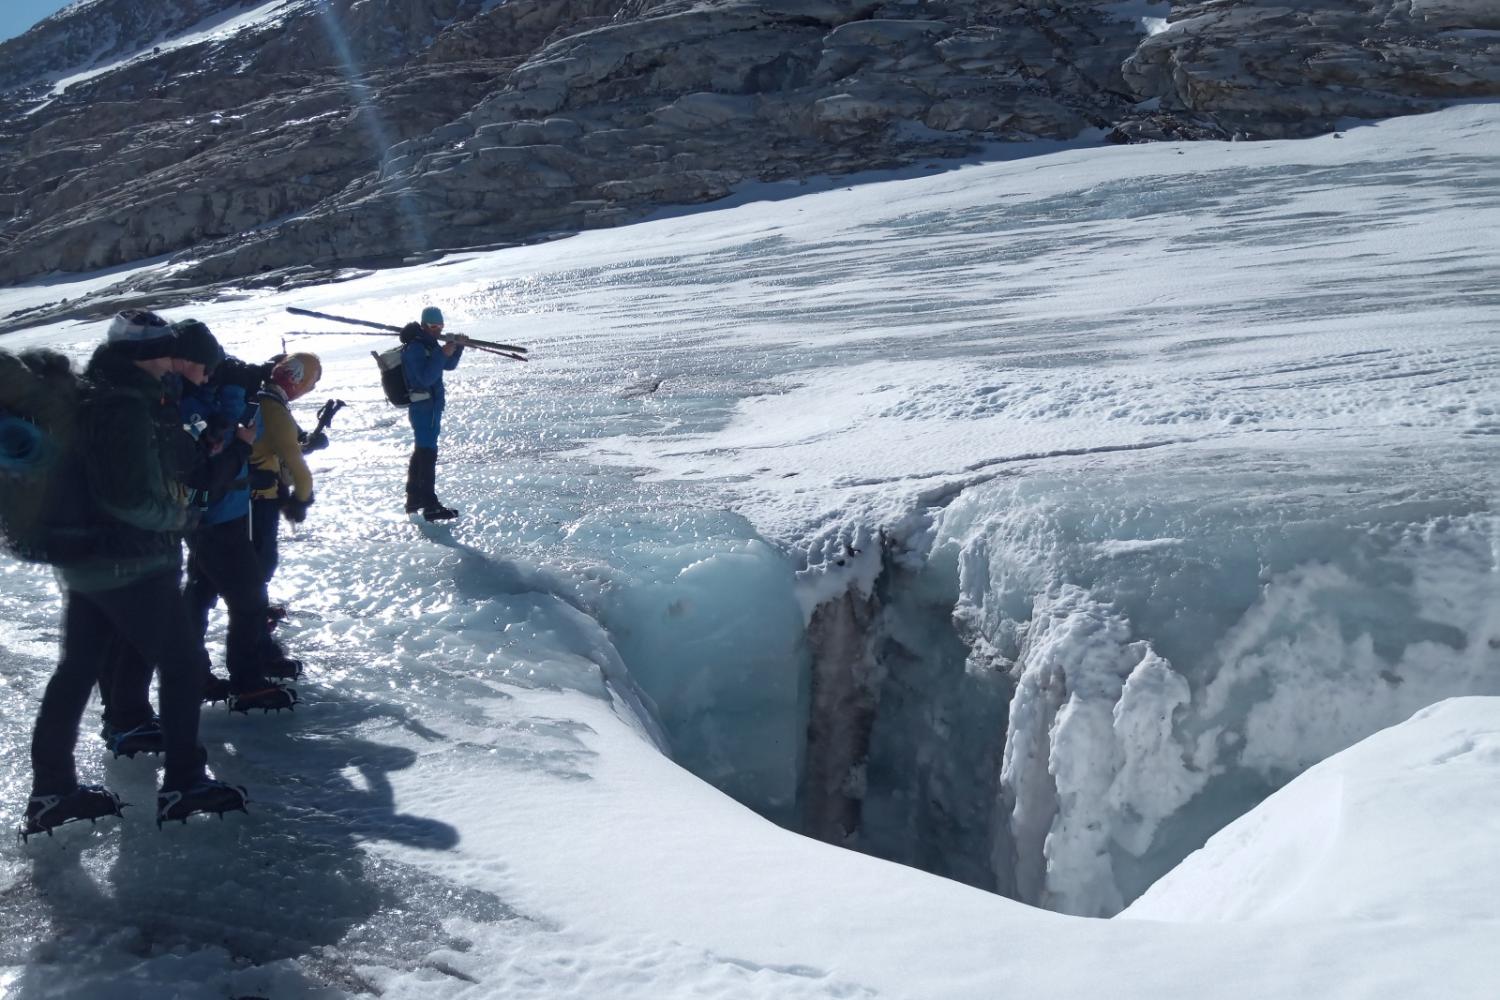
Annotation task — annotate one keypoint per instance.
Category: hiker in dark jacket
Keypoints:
(125, 675)
(424, 359)
(125, 589)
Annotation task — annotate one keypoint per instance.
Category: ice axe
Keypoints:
(513, 351)
(327, 412)
(316, 439)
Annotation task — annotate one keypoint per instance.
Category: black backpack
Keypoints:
(42, 485)
(250, 377)
(393, 376)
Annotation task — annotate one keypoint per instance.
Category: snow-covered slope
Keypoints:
(1117, 486)
(1393, 829)
(216, 27)
(93, 35)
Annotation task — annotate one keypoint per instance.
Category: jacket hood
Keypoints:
(113, 365)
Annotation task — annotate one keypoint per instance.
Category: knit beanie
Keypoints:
(297, 373)
(141, 335)
(431, 316)
(194, 342)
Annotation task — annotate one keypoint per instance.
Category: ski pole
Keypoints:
(294, 310)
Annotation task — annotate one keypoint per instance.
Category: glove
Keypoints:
(316, 441)
(294, 510)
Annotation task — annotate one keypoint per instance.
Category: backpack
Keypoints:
(40, 396)
(393, 378)
(249, 377)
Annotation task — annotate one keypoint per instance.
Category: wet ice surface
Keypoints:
(1200, 433)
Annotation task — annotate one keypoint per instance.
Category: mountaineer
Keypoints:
(115, 536)
(424, 359)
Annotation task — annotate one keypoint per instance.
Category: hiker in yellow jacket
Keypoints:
(280, 482)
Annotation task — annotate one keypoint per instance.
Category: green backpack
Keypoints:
(39, 401)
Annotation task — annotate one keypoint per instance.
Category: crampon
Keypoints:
(266, 696)
(45, 813)
(206, 795)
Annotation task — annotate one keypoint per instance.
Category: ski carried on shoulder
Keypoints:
(513, 351)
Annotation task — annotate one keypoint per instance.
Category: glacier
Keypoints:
(1027, 521)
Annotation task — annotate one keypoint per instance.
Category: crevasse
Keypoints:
(1061, 685)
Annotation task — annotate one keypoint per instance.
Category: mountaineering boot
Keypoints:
(433, 509)
(206, 795)
(437, 512)
(45, 813)
(280, 667)
(215, 689)
(421, 485)
(264, 695)
(144, 738)
(275, 664)
(418, 484)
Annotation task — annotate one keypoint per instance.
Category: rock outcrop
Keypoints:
(261, 140)
(1294, 69)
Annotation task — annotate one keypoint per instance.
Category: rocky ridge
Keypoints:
(321, 135)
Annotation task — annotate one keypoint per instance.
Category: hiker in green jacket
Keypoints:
(122, 587)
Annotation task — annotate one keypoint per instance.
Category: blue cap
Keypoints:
(431, 316)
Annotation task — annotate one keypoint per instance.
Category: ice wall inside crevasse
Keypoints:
(703, 612)
(1072, 678)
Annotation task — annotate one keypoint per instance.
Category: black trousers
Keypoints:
(222, 563)
(125, 685)
(421, 479)
(149, 617)
(265, 522)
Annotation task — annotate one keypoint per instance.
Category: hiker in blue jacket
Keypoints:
(424, 359)
(222, 561)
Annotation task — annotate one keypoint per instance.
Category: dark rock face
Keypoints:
(323, 134)
(1295, 68)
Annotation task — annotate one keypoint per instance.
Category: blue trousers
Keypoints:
(426, 422)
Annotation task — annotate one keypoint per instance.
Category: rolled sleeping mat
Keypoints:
(22, 444)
